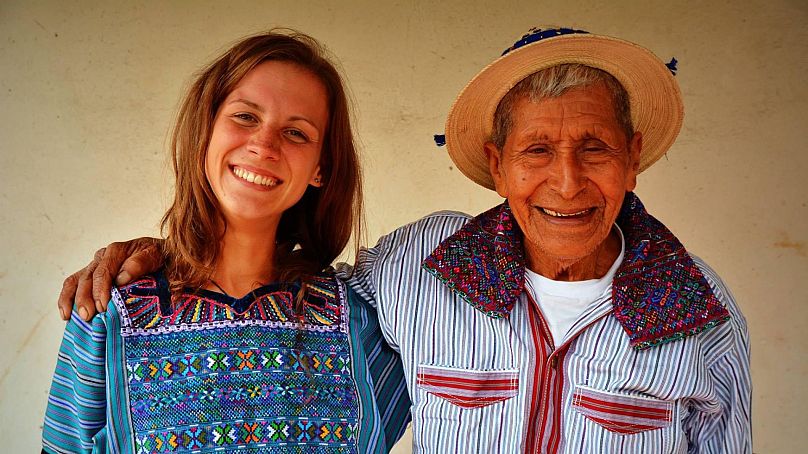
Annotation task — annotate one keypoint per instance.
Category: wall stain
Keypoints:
(26, 340)
(798, 246)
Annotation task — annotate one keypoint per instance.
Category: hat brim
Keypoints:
(656, 103)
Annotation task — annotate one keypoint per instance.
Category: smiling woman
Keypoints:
(246, 340)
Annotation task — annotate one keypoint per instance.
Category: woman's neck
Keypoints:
(245, 261)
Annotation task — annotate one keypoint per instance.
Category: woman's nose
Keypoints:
(264, 142)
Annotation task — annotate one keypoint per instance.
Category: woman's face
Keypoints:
(266, 142)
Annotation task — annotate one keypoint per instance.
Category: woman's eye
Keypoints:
(296, 135)
(245, 117)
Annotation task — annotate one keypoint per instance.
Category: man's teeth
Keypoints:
(254, 178)
(564, 215)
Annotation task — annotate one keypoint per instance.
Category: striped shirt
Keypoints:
(486, 380)
(211, 373)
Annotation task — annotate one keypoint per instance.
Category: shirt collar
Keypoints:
(658, 294)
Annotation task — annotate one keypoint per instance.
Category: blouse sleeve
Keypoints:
(385, 374)
(75, 417)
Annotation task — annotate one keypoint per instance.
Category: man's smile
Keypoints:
(566, 213)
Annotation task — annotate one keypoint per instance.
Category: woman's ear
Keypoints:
(317, 178)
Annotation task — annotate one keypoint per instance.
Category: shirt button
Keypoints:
(554, 362)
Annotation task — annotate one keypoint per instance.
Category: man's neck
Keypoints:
(593, 266)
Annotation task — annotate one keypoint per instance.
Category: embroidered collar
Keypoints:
(658, 294)
(146, 306)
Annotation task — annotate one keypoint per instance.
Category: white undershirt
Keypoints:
(562, 302)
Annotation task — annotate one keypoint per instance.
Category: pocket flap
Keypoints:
(468, 388)
(622, 413)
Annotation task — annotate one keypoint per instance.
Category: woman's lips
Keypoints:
(252, 177)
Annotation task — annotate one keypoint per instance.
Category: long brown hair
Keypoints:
(314, 231)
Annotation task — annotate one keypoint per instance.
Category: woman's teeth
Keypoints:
(254, 178)
(564, 215)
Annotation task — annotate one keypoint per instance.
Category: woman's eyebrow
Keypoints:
(247, 102)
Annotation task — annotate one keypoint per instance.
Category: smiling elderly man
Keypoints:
(567, 319)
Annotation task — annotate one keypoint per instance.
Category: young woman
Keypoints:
(245, 341)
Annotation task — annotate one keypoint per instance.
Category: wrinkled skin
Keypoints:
(87, 290)
(565, 168)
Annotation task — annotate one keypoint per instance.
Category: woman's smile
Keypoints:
(255, 178)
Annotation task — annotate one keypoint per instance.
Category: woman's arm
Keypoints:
(75, 418)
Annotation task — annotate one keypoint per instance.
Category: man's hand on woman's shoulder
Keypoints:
(88, 289)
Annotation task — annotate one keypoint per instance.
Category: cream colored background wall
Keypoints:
(88, 90)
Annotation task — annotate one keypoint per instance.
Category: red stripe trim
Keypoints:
(621, 427)
(557, 374)
(447, 377)
(617, 408)
(475, 385)
(470, 402)
(534, 414)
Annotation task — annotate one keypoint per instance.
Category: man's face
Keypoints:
(565, 168)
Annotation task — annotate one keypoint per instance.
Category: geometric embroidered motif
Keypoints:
(212, 373)
(268, 436)
(480, 263)
(150, 308)
(659, 294)
(235, 360)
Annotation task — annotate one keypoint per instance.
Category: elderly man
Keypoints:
(567, 319)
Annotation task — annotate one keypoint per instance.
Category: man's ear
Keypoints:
(495, 167)
(634, 153)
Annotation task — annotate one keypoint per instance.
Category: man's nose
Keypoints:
(567, 176)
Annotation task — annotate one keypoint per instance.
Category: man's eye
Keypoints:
(537, 150)
(594, 146)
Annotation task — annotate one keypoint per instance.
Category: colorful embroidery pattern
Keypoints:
(480, 263)
(659, 294)
(305, 434)
(321, 309)
(211, 375)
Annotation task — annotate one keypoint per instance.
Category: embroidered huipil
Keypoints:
(213, 373)
(659, 363)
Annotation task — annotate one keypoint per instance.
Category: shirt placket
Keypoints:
(545, 418)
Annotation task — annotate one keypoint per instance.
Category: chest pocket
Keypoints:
(624, 423)
(468, 388)
(621, 413)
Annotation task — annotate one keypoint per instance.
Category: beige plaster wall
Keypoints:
(88, 90)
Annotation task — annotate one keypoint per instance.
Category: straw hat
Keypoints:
(656, 104)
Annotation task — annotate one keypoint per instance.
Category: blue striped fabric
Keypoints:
(90, 403)
(701, 382)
